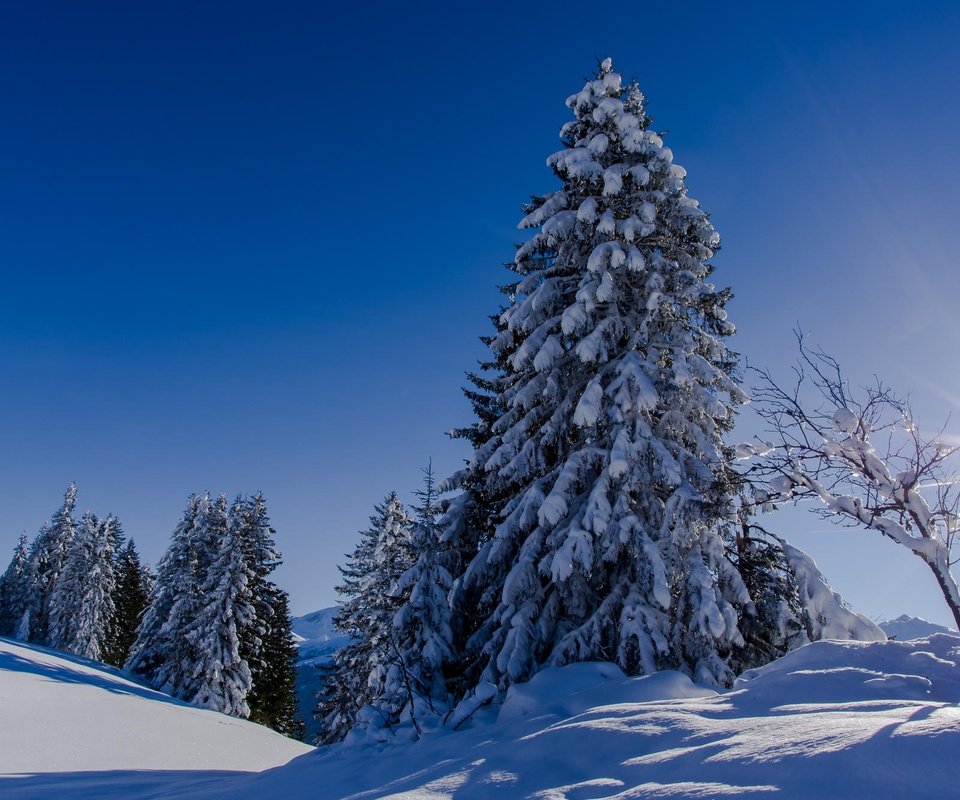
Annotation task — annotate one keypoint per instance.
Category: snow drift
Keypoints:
(851, 720)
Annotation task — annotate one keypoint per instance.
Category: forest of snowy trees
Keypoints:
(209, 627)
(601, 516)
(78, 587)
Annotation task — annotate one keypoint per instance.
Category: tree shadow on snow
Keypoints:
(118, 784)
(102, 679)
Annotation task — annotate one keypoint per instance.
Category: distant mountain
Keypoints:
(316, 637)
(906, 627)
(317, 641)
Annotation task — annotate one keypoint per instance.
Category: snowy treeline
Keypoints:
(78, 587)
(600, 517)
(216, 631)
(210, 627)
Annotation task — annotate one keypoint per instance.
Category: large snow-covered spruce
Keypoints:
(599, 471)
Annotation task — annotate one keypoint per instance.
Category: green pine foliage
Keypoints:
(130, 602)
(273, 699)
(14, 589)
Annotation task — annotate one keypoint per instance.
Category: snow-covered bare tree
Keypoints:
(599, 463)
(861, 455)
(82, 608)
(14, 589)
(367, 608)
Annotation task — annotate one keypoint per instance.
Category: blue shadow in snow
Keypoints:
(103, 679)
(120, 784)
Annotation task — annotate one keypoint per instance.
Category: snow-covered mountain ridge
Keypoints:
(315, 635)
(906, 627)
(317, 641)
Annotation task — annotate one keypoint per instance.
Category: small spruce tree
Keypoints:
(273, 696)
(368, 604)
(157, 642)
(215, 675)
(267, 643)
(421, 641)
(14, 589)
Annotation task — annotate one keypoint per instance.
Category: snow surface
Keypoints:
(61, 714)
(851, 720)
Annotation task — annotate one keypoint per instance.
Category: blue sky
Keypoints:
(248, 248)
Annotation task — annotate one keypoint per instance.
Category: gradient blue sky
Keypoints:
(251, 248)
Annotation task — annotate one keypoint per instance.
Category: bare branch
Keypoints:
(861, 456)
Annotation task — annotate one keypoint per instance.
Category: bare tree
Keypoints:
(862, 456)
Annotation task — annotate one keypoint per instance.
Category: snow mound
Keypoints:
(906, 627)
(852, 720)
(576, 688)
(60, 714)
(851, 672)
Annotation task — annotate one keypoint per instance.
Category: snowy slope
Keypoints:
(844, 720)
(60, 714)
(906, 627)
